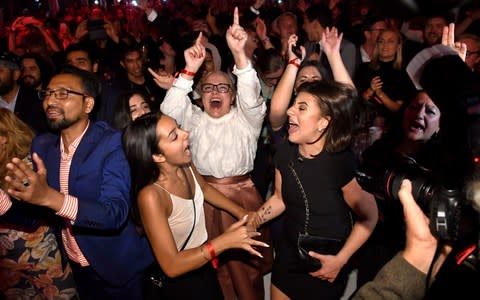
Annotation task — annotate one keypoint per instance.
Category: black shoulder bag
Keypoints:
(307, 242)
(156, 278)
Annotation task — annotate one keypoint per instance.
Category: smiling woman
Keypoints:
(320, 199)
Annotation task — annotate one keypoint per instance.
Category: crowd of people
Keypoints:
(192, 146)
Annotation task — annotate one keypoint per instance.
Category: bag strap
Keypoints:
(194, 210)
(304, 196)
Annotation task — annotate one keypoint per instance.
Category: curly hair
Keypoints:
(18, 140)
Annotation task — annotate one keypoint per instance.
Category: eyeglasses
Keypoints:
(60, 93)
(221, 87)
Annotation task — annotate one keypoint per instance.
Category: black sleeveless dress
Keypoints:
(322, 178)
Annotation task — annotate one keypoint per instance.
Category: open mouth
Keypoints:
(417, 126)
(53, 113)
(216, 103)
(292, 126)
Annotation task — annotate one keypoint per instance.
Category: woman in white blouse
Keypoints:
(223, 139)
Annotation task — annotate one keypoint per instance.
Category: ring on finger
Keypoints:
(26, 182)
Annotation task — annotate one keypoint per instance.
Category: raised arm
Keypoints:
(261, 29)
(330, 43)
(284, 89)
(177, 104)
(236, 39)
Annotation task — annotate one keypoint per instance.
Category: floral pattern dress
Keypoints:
(31, 265)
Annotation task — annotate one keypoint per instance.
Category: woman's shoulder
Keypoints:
(284, 153)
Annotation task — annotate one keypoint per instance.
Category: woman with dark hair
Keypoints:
(412, 141)
(130, 106)
(168, 195)
(316, 188)
(224, 138)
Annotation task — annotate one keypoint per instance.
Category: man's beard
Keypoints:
(31, 82)
(7, 85)
(60, 124)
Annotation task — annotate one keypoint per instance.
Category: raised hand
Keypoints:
(195, 55)
(331, 41)
(261, 28)
(162, 78)
(111, 31)
(82, 30)
(448, 39)
(236, 35)
(292, 42)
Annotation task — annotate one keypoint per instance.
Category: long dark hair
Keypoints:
(123, 116)
(140, 142)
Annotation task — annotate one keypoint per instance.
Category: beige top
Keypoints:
(181, 219)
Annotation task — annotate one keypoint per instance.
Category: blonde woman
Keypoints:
(30, 260)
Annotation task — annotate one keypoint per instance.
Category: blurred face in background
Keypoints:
(388, 44)
(138, 106)
(473, 52)
(287, 25)
(371, 35)
(432, 33)
(208, 63)
(31, 75)
(307, 74)
(133, 64)
(80, 60)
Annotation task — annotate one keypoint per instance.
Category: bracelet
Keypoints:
(254, 10)
(294, 62)
(265, 39)
(203, 254)
(187, 72)
(213, 255)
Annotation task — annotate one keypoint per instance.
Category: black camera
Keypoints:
(452, 220)
(96, 29)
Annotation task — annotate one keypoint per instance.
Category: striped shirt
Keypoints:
(70, 204)
(5, 202)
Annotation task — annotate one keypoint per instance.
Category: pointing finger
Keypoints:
(199, 39)
(236, 19)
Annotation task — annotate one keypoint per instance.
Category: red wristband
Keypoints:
(187, 72)
(294, 62)
(213, 255)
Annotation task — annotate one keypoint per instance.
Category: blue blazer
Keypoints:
(100, 179)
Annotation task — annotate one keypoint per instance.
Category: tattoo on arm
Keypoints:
(265, 213)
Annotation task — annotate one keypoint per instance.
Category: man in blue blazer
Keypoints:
(83, 176)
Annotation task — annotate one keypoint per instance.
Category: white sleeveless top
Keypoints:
(181, 219)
